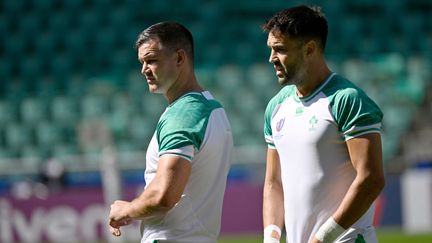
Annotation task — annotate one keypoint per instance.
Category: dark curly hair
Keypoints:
(301, 22)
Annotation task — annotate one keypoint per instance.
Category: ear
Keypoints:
(181, 56)
(310, 48)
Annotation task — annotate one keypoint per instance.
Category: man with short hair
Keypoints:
(188, 158)
(324, 160)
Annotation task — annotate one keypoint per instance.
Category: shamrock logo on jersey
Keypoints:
(313, 123)
(360, 239)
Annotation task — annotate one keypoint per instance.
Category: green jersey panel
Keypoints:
(353, 111)
(184, 122)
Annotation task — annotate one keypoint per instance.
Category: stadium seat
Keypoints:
(238, 126)
(46, 45)
(8, 112)
(14, 46)
(17, 136)
(29, 25)
(73, 6)
(121, 112)
(60, 24)
(105, 42)
(64, 110)
(5, 154)
(262, 80)
(246, 102)
(60, 67)
(63, 149)
(31, 158)
(140, 131)
(13, 7)
(152, 105)
(119, 19)
(48, 134)
(33, 110)
(30, 70)
(93, 106)
(88, 22)
(43, 7)
(229, 79)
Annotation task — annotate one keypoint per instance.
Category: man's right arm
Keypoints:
(273, 205)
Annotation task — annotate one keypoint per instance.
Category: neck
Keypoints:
(314, 76)
(184, 84)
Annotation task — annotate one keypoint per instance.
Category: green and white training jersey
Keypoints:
(196, 128)
(309, 134)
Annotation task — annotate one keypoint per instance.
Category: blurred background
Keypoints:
(74, 107)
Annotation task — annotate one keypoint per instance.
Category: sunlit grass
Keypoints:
(384, 236)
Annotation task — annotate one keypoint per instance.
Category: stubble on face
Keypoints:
(157, 61)
(288, 59)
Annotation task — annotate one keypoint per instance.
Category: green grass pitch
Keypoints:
(384, 236)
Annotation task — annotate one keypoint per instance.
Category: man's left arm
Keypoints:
(366, 156)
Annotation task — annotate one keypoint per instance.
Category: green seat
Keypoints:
(8, 112)
(59, 23)
(5, 155)
(17, 136)
(140, 131)
(152, 105)
(31, 157)
(120, 18)
(123, 61)
(33, 110)
(63, 149)
(229, 79)
(75, 46)
(61, 67)
(14, 46)
(88, 22)
(29, 25)
(13, 7)
(263, 81)
(119, 117)
(72, 6)
(247, 102)
(44, 6)
(45, 46)
(48, 134)
(64, 110)
(93, 106)
(31, 70)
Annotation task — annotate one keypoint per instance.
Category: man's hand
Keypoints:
(118, 216)
(315, 240)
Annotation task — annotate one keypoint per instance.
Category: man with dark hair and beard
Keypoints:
(324, 161)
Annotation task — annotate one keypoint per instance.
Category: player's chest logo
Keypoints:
(279, 124)
(278, 127)
(313, 123)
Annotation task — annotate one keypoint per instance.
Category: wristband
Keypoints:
(271, 240)
(329, 231)
(268, 230)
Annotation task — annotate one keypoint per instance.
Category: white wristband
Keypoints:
(268, 230)
(271, 240)
(329, 231)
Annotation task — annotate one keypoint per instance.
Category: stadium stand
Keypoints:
(70, 83)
